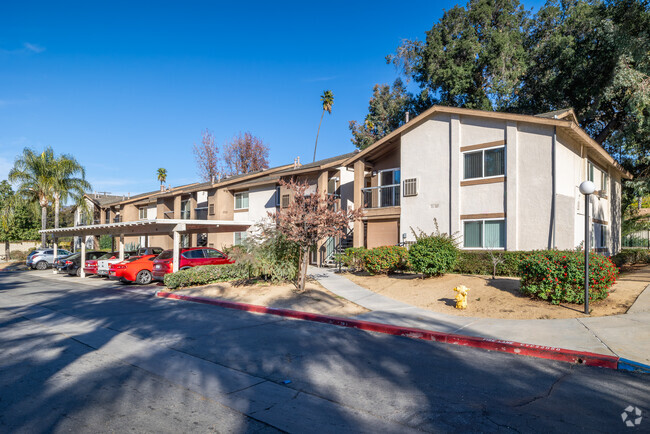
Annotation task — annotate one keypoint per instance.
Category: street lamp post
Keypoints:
(587, 188)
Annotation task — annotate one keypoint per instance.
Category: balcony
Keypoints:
(117, 219)
(201, 213)
(381, 197)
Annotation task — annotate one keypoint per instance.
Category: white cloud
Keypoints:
(34, 48)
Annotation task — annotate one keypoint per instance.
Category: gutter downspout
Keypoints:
(554, 175)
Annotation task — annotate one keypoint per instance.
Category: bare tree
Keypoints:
(246, 153)
(207, 157)
(310, 218)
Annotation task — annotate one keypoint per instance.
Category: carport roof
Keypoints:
(152, 227)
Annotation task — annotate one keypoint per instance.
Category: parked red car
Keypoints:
(135, 269)
(191, 257)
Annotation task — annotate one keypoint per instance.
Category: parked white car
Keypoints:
(104, 262)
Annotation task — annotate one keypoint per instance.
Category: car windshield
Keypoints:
(167, 254)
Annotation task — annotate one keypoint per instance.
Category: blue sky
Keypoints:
(127, 87)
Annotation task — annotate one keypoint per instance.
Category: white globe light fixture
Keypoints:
(587, 188)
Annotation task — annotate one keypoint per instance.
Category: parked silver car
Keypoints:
(44, 258)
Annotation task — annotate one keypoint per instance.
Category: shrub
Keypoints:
(17, 255)
(385, 259)
(353, 257)
(480, 262)
(631, 257)
(433, 255)
(205, 274)
(558, 276)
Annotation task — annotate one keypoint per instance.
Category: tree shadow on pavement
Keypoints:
(128, 360)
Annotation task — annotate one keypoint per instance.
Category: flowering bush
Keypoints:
(558, 276)
(386, 259)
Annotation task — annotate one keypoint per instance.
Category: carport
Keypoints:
(173, 227)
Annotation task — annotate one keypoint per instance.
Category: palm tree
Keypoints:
(7, 206)
(69, 182)
(327, 98)
(35, 175)
(162, 176)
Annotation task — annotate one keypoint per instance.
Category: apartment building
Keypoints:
(242, 198)
(495, 180)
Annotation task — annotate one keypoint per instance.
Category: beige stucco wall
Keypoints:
(534, 186)
(425, 156)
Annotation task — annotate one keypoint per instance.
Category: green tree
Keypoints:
(327, 99)
(593, 56)
(7, 204)
(35, 175)
(162, 176)
(69, 183)
(473, 57)
(386, 112)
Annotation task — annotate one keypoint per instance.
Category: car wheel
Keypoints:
(78, 273)
(42, 265)
(144, 277)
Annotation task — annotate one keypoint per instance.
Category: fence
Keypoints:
(637, 239)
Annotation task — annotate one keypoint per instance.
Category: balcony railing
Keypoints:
(185, 215)
(117, 219)
(381, 197)
(201, 213)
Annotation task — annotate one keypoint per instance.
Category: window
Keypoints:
(484, 234)
(389, 177)
(211, 209)
(285, 200)
(389, 193)
(600, 236)
(212, 253)
(590, 172)
(193, 254)
(604, 182)
(410, 187)
(599, 177)
(484, 163)
(107, 216)
(241, 200)
(142, 213)
(185, 209)
(185, 240)
(239, 237)
(277, 197)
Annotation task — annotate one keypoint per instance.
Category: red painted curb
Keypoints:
(552, 353)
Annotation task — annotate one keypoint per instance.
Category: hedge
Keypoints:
(385, 259)
(558, 276)
(631, 257)
(205, 274)
(480, 262)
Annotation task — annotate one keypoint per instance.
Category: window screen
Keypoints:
(495, 234)
(473, 165)
(241, 200)
(473, 234)
(494, 163)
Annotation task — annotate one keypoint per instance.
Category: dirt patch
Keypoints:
(499, 298)
(314, 299)
(13, 265)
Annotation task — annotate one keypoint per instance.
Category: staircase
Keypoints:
(335, 246)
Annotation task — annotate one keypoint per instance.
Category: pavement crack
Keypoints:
(247, 387)
(547, 394)
(596, 336)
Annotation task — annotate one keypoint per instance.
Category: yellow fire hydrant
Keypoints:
(461, 297)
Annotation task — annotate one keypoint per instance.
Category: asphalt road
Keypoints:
(80, 358)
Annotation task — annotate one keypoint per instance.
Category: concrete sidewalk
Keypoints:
(626, 336)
